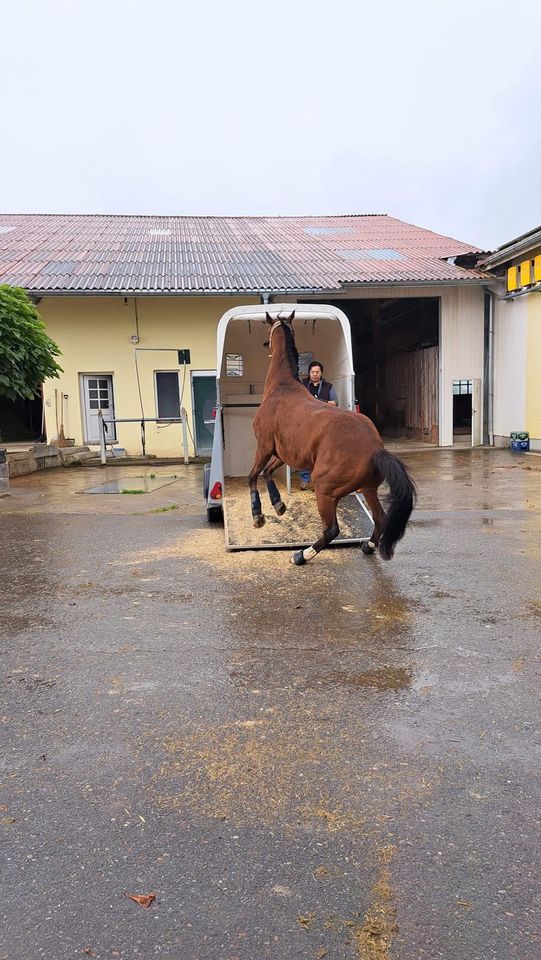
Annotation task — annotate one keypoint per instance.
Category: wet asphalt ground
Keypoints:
(339, 760)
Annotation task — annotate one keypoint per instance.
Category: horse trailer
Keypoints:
(322, 333)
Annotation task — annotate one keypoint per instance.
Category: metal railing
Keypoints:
(103, 429)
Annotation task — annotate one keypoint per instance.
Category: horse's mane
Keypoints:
(291, 349)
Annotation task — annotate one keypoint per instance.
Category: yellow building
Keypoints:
(517, 339)
(120, 356)
(134, 304)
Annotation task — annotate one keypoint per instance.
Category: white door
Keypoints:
(98, 395)
(476, 414)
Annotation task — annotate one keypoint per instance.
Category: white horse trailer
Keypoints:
(242, 359)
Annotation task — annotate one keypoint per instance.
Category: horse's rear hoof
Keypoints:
(259, 520)
(298, 558)
(280, 508)
(368, 548)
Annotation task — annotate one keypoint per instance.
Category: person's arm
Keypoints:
(333, 397)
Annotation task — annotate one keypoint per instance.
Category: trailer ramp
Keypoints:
(300, 525)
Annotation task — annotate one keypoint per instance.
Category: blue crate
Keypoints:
(519, 446)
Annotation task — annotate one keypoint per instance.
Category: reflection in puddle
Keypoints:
(132, 484)
(384, 678)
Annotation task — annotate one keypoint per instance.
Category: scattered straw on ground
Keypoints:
(277, 768)
(207, 545)
(374, 937)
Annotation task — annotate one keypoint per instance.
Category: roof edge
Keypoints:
(278, 292)
(514, 247)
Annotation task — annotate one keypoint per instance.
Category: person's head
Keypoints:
(315, 372)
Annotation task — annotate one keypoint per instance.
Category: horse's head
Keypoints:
(271, 321)
(278, 322)
(287, 346)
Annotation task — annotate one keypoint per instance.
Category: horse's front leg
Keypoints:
(327, 511)
(260, 461)
(273, 490)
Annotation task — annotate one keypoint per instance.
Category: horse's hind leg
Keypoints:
(261, 460)
(327, 511)
(274, 492)
(378, 515)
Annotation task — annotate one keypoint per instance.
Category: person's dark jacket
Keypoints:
(324, 391)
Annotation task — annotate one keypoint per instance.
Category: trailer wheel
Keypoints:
(214, 514)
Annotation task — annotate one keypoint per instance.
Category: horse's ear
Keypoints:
(291, 317)
(269, 319)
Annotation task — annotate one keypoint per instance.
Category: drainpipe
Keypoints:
(489, 367)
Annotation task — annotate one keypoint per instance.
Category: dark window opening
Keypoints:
(167, 395)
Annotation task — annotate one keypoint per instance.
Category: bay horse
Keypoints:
(342, 449)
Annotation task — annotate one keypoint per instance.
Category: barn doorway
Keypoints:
(467, 412)
(462, 411)
(21, 421)
(396, 360)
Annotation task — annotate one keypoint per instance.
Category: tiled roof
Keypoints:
(131, 254)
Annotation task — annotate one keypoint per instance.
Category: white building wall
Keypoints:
(461, 348)
(510, 331)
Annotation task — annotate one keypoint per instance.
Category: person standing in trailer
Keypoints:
(322, 390)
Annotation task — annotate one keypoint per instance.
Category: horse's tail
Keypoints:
(400, 503)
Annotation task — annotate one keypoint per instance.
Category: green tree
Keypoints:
(27, 354)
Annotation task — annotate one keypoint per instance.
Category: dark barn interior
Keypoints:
(395, 357)
(21, 420)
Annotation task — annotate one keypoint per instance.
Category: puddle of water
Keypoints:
(385, 678)
(131, 484)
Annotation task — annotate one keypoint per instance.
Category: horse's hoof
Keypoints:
(298, 558)
(259, 520)
(368, 548)
(280, 508)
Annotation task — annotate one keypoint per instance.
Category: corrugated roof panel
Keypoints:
(221, 254)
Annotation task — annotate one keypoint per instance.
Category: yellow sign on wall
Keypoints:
(525, 273)
(512, 278)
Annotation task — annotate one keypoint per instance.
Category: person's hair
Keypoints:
(315, 363)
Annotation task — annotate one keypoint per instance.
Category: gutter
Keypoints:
(299, 292)
(515, 294)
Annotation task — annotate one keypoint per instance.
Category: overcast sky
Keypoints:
(428, 110)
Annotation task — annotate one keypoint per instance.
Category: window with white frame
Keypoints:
(462, 386)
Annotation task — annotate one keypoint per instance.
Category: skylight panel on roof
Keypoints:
(371, 254)
(324, 231)
(6, 229)
(155, 232)
(60, 266)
